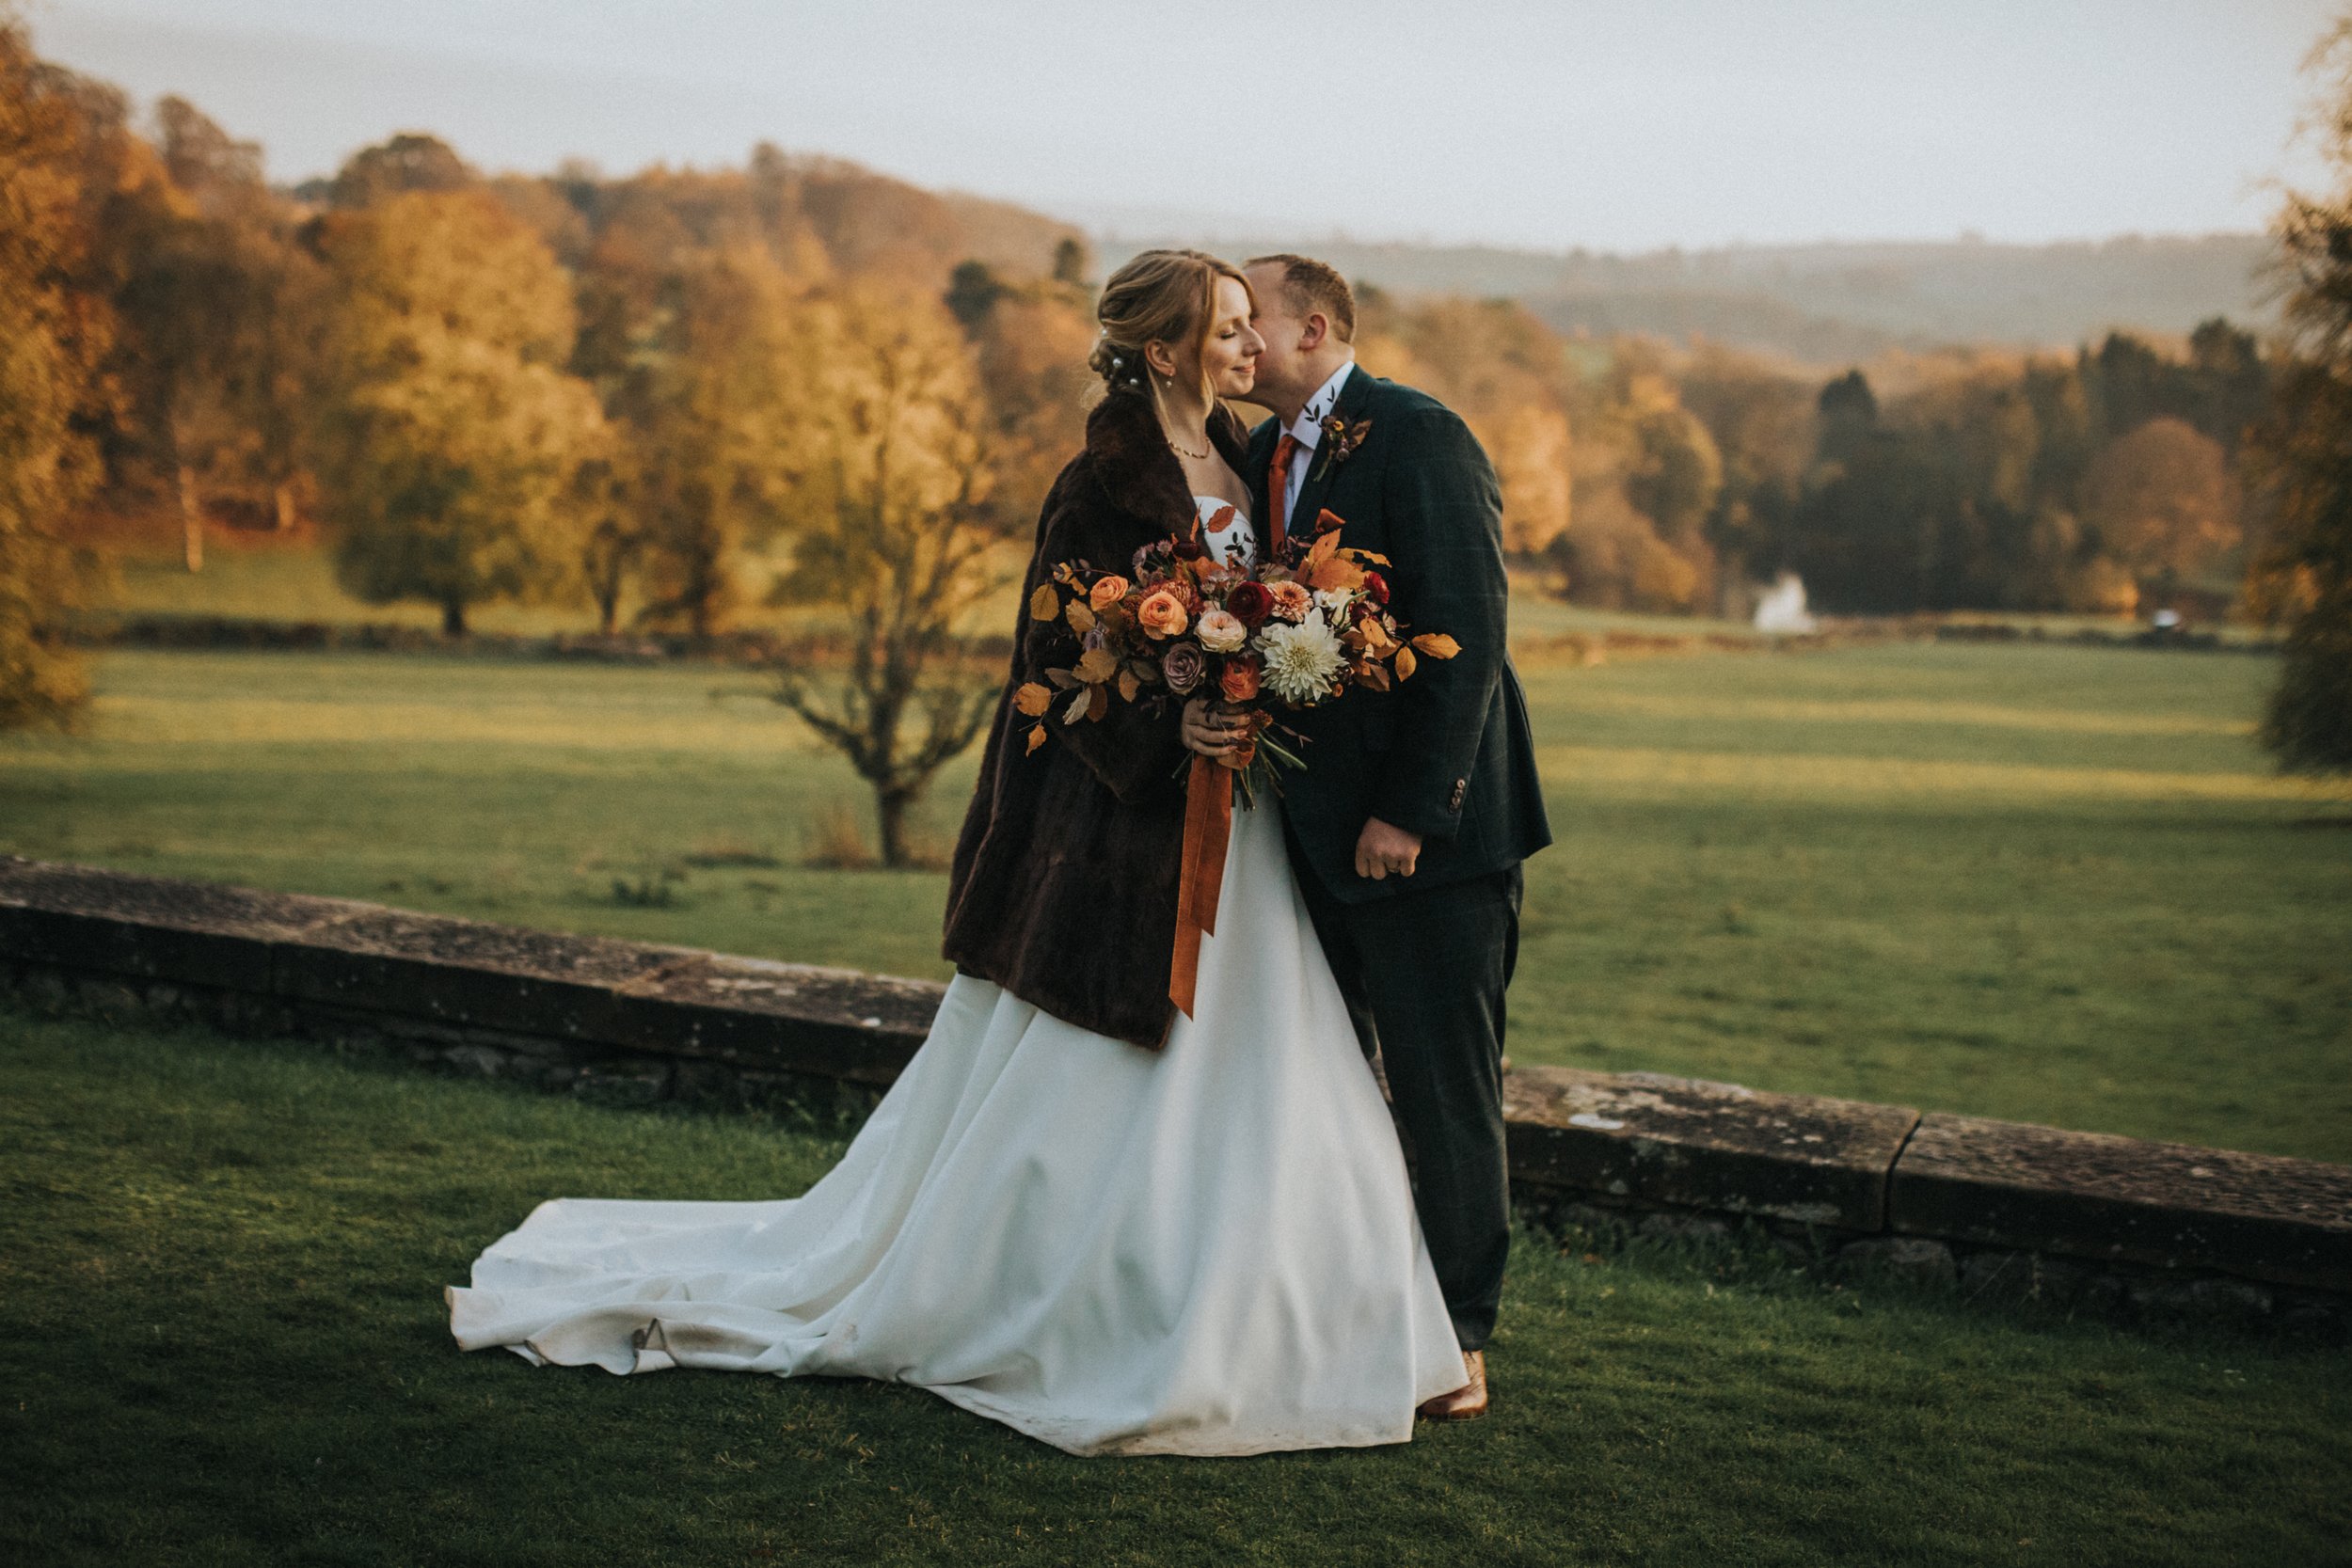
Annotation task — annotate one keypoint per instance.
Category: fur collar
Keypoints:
(1138, 469)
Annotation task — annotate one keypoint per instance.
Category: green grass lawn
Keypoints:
(223, 1342)
(2046, 883)
(250, 576)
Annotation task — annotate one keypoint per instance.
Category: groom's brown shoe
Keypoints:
(1469, 1402)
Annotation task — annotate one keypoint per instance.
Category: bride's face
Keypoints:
(1230, 357)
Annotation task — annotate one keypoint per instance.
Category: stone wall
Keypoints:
(1995, 1209)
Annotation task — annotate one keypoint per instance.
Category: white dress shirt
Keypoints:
(1308, 430)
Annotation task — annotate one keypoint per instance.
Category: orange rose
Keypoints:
(1107, 592)
(1240, 680)
(1163, 614)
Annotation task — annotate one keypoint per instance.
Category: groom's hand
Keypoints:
(1381, 849)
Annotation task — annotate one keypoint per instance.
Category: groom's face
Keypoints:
(1284, 328)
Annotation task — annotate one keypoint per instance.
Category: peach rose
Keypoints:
(1107, 592)
(1240, 680)
(1162, 614)
(1221, 633)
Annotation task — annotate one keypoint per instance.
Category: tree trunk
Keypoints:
(609, 614)
(191, 520)
(453, 619)
(890, 813)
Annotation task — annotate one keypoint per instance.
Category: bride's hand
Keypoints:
(1211, 729)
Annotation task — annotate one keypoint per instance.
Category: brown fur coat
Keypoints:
(1063, 888)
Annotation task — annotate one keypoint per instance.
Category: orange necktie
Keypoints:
(1278, 490)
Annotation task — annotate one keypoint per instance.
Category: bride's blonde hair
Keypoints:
(1162, 296)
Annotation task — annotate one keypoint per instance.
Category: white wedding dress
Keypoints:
(1209, 1248)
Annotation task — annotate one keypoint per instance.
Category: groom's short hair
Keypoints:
(1310, 285)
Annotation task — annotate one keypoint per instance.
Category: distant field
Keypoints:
(2051, 884)
(251, 578)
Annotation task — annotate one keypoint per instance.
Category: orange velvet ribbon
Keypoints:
(1208, 822)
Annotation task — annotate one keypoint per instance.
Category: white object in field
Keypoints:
(1781, 608)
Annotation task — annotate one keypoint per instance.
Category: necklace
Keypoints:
(1196, 456)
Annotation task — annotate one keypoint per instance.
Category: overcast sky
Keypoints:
(1548, 123)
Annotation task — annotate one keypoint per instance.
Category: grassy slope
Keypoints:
(2050, 883)
(223, 1340)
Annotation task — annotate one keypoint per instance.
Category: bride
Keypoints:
(1107, 1225)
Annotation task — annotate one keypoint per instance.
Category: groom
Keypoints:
(1417, 805)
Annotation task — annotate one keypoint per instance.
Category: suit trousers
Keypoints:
(1424, 972)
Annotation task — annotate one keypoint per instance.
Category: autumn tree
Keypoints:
(1996, 480)
(1676, 471)
(411, 161)
(2231, 382)
(53, 336)
(1862, 536)
(221, 309)
(1648, 473)
(1502, 369)
(116, 182)
(894, 531)
(1531, 448)
(722, 431)
(973, 291)
(1759, 416)
(2163, 501)
(1030, 344)
(454, 436)
(610, 493)
(2302, 447)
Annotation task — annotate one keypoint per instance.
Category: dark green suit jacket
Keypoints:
(1447, 754)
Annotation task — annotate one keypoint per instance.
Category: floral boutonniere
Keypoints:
(1340, 441)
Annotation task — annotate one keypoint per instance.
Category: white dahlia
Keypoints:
(1301, 662)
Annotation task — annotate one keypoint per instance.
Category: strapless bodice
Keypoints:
(1236, 542)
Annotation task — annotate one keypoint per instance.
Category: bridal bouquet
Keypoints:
(1182, 624)
(1297, 631)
